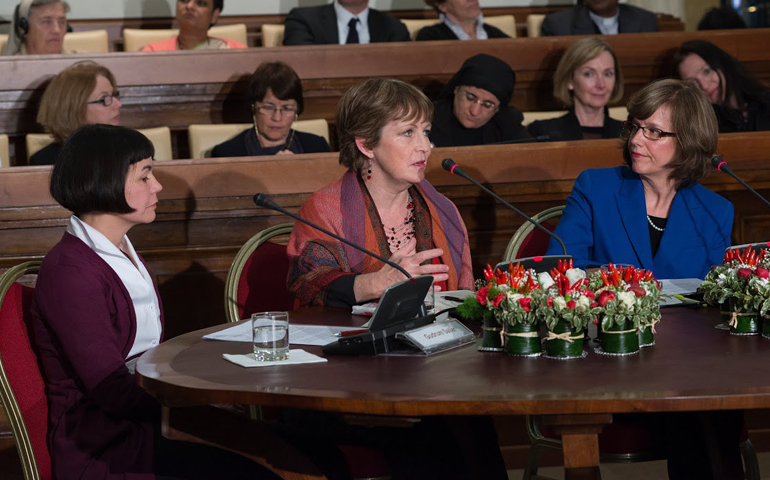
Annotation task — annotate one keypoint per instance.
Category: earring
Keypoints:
(368, 168)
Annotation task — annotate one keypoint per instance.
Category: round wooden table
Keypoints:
(693, 367)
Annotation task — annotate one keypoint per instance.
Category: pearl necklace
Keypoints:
(649, 220)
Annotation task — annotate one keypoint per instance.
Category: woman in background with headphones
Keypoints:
(275, 94)
(38, 28)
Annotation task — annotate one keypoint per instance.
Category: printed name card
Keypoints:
(438, 336)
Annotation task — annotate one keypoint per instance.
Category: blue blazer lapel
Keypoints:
(678, 227)
(632, 211)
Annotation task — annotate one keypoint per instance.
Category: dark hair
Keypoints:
(434, 4)
(219, 5)
(738, 82)
(281, 79)
(721, 18)
(365, 109)
(90, 172)
(692, 119)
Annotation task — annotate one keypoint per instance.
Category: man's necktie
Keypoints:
(352, 32)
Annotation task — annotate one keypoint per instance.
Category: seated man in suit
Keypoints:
(38, 28)
(342, 22)
(603, 17)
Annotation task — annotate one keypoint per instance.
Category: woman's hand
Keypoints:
(285, 152)
(372, 285)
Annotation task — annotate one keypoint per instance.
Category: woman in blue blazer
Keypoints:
(652, 213)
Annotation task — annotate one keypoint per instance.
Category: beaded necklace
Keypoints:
(404, 232)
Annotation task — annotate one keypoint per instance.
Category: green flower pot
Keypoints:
(743, 322)
(620, 339)
(646, 336)
(522, 339)
(491, 340)
(564, 341)
(765, 326)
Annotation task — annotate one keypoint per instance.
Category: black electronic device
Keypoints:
(720, 164)
(398, 310)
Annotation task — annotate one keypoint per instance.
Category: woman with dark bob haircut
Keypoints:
(653, 214)
(275, 95)
(741, 102)
(96, 310)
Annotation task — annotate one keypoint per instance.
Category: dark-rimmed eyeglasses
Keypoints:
(487, 104)
(650, 133)
(106, 100)
(269, 110)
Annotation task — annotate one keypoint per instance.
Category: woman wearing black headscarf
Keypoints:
(473, 107)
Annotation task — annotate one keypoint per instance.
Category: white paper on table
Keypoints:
(296, 357)
(317, 335)
(677, 286)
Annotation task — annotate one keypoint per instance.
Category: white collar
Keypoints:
(344, 16)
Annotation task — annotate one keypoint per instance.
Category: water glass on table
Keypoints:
(270, 335)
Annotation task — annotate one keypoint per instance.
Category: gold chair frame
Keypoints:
(7, 397)
(521, 234)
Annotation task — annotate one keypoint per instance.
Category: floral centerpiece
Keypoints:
(628, 300)
(566, 309)
(508, 299)
(741, 284)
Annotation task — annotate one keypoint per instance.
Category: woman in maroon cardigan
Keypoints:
(96, 310)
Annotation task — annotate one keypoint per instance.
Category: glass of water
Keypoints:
(270, 335)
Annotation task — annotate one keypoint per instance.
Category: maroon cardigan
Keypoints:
(100, 422)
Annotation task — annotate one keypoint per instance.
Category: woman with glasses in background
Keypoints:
(473, 107)
(651, 212)
(84, 93)
(275, 94)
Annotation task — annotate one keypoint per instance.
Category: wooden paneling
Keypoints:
(180, 88)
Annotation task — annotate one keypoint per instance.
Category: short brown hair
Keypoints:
(281, 79)
(434, 4)
(365, 109)
(574, 57)
(64, 103)
(692, 119)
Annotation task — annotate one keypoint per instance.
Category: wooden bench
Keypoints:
(176, 89)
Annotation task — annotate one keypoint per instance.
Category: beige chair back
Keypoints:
(619, 113)
(534, 22)
(415, 25)
(506, 23)
(318, 126)
(36, 142)
(272, 34)
(5, 152)
(203, 138)
(134, 39)
(161, 141)
(90, 41)
(530, 117)
(159, 136)
(234, 31)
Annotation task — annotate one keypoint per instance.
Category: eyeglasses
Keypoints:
(269, 110)
(650, 133)
(488, 104)
(107, 99)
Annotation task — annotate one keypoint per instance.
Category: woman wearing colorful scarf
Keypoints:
(382, 203)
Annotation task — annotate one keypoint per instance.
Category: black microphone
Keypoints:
(263, 200)
(721, 165)
(539, 138)
(450, 166)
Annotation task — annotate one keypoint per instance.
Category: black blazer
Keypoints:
(236, 146)
(576, 21)
(318, 26)
(441, 32)
(568, 127)
(46, 155)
